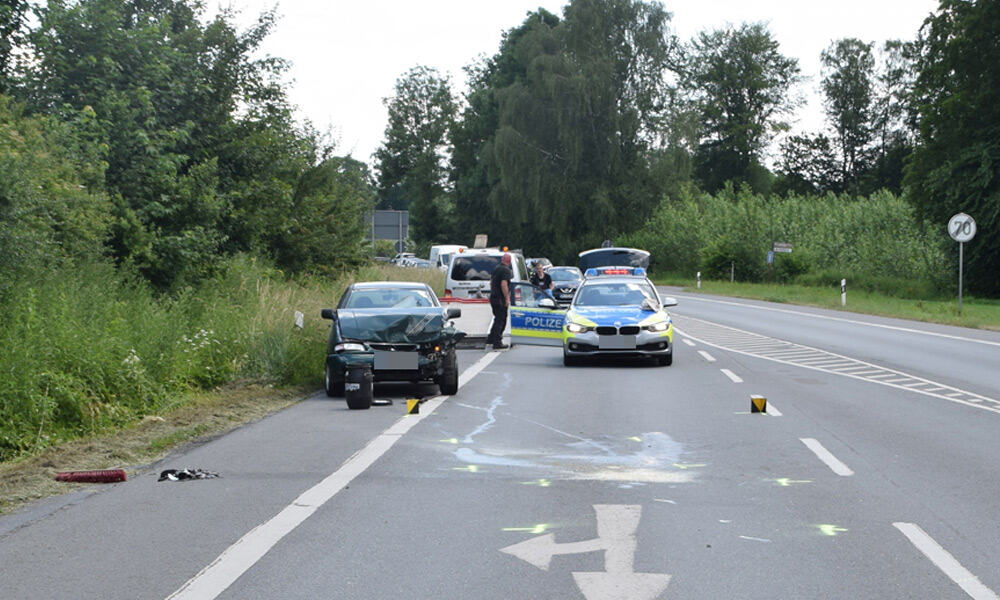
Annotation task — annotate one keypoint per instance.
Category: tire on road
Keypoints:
(665, 361)
(334, 387)
(448, 380)
(571, 361)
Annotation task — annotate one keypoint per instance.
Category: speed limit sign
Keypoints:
(962, 228)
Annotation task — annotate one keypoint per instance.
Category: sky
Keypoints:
(346, 55)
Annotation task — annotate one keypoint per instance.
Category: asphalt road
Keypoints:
(873, 475)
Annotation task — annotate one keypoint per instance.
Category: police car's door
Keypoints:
(533, 321)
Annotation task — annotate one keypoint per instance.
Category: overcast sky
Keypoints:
(346, 56)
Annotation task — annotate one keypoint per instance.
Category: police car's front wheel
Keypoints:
(570, 361)
(665, 361)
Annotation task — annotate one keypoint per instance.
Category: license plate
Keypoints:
(616, 342)
(395, 361)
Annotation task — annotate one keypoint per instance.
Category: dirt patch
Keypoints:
(207, 414)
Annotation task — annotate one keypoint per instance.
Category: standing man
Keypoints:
(542, 279)
(500, 301)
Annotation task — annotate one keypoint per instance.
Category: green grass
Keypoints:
(88, 350)
(977, 313)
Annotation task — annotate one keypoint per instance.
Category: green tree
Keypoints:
(743, 86)
(166, 86)
(559, 126)
(956, 164)
(13, 18)
(412, 161)
(849, 88)
(807, 165)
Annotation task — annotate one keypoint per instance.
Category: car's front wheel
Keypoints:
(334, 387)
(448, 380)
(570, 361)
(665, 361)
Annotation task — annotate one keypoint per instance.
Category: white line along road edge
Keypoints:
(242, 555)
(824, 455)
(943, 560)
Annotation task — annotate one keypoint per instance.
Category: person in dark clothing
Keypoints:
(500, 301)
(542, 279)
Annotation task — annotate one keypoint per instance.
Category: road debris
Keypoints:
(185, 474)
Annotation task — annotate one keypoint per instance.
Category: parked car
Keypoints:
(469, 272)
(565, 281)
(546, 263)
(402, 256)
(399, 328)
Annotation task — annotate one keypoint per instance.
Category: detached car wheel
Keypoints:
(334, 387)
(448, 380)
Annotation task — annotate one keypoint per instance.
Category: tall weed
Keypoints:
(89, 348)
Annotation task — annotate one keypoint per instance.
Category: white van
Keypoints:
(441, 254)
(469, 272)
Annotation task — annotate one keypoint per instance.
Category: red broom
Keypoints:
(103, 476)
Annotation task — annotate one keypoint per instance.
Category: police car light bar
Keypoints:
(637, 271)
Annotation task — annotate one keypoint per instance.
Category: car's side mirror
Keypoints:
(668, 301)
(648, 304)
(546, 303)
(328, 313)
(453, 312)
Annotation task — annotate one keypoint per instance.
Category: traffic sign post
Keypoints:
(961, 228)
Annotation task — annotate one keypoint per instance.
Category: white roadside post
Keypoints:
(961, 228)
(699, 280)
(843, 292)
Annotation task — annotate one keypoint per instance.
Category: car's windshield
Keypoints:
(564, 274)
(474, 268)
(614, 294)
(389, 298)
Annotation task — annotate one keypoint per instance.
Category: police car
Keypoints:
(616, 312)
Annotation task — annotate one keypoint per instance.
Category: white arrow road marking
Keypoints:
(616, 527)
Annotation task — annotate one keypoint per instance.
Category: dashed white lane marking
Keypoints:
(824, 455)
(843, 320)
(733, 376)
(943, 560)
(242, 555)
(688, 342)
(787, 353)
(706, 356)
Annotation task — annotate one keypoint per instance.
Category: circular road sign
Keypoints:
(962, 227)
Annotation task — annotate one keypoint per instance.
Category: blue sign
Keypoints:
(770, 257)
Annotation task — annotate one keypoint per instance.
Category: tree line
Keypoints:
(584, 126)
(148, 133)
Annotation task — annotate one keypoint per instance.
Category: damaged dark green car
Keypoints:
(400, 329)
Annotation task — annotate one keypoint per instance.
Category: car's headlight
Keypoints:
(349, 347)
(577, 328)
(661, 326)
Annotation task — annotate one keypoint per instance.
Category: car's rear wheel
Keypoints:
(665, 361)
(334, 387)
(448, 380)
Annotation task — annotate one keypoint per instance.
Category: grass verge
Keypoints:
(977, 313)
(203, 415)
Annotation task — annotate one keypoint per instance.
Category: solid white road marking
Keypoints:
(616, 527)
(242, 555)
(943, 560)
(706, 356)
(843, 320)
(772, 410)
(733, 376)
(824, 455)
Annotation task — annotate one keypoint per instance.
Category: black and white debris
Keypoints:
(185, 474)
